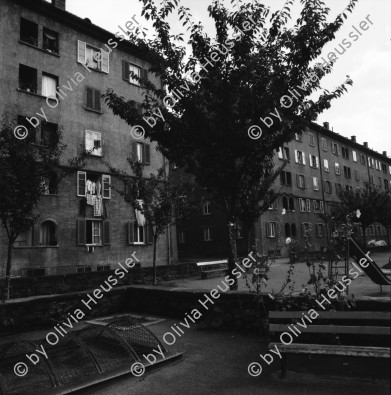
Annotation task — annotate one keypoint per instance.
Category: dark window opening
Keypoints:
(287, 230)
(22, 120)
(293, 230)
(93, 99)
(27, 78)
(291, 204)
(103, 268)
(50, 40)
(49, 135)
(28, 32)
(285, 203)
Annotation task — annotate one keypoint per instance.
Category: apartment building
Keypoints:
(319, 162)
(54, 66)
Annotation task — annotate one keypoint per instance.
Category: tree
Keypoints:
(25, 169)
(225, 87)
(158, 198)
(373, 205)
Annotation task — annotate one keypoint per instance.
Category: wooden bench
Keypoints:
(212, 267)
(355, 323)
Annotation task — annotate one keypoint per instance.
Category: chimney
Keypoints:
(326, 125)
(365, 144)
(59, 4)
(385, 153)
(353, 138)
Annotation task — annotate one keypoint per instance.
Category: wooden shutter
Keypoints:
(89, 141)
(134, 150)
(81, 52)
(148, 234)
(130, 232)
(317, 162)
(125, 70)
(97, 100)
(305, 181)
(106, 189)
(105, 60)
(144, 74)
(303, 156)
(296, 156)
(147, 154)
(280, 153)
(81, 232)
(81, 183)
(106, 233)
(89, 97)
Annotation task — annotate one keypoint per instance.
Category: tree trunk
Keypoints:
(8, 270)
(233, 256)
(154, 260)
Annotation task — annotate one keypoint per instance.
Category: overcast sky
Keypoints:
(365, 111)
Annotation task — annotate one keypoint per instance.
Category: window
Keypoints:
(206, 207)
(207, 234)
(320, 230)
(28, 32)
(306, 229)
(334, 148)
(323, 144)
(49, 134)
(293, 230)
(377, 165)
(181, 237)
(356, 175)
(326, 165)
(345, 153)
(285, 203)
(312, 139)
(24, 239)
(141, 151)
(349, 188)
(327, 186)
(47, 234)
(49, 85)
(316, 183)
(27, 78)
(389, 169)
(338, 187)
(371, 162)
(23, 120)
(286, 178)
(287, 230)
(384, 168)
(302, 205)
(299, 157)
(298, 136)
(301, 181)
(291, 204)
(93, 232)
(50, 40)
(337, 169)
(271, 229)
(315, 206)
(92, 57)
(104, 268)
(138, 234)
(379, 181)
(308, 204)
(314, 161)
(93, 99)
(386, 184)
(93, 143)
(50, 184)
(362, 159)
(94, 184)
(286, 153)
(354, 154)
(347, 172)
(273, 206)
(129, 71)
(240, 231)
(321, 206)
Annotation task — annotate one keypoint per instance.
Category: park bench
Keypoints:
(366, 323)
(213, 267)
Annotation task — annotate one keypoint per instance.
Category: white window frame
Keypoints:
(302, 205)
(308, 205)
(104, 61)
(315, 181)
(326, 165)
(137, 232)
(354, 155)
(271, 230)
(300, 157)
(334, 148)
(90, 138)
(337, 169)
(134, 68)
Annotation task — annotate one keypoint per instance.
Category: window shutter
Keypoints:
(125, 70)
(317, 162)
(81, 232)
(296, 156)
(280, 153)
(149, 234)
(305, 181)
(311, 163)
(81, 52)
(147, 154)
(144, 74)
(130, 232)
(106, 233)
(97, 100)
(105, 56)
(298, 180)
(303, 158)
(89, 143)
(134, 150)
(89, 97)
(81, 183)
(106, 189)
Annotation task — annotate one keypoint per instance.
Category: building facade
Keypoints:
(319, 162)
(54, 66)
